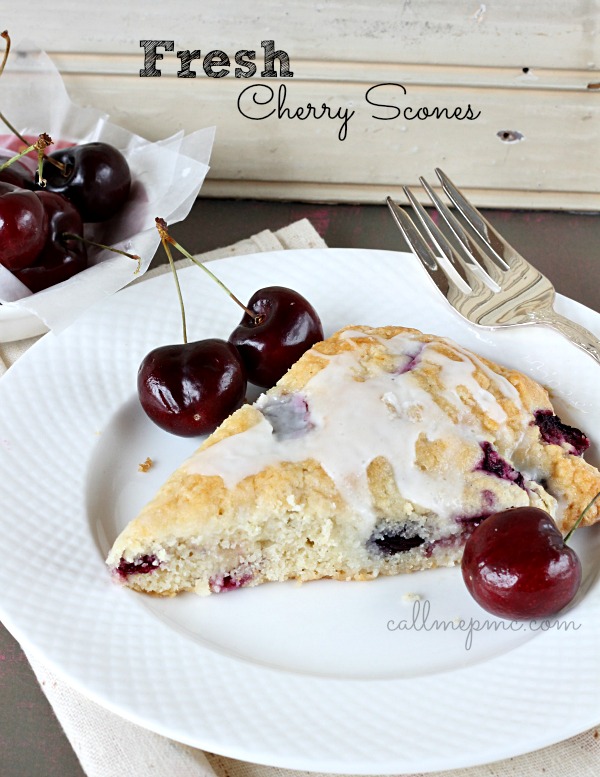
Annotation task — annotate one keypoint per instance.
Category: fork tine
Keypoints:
(524, 297)
(469, 252)
(443, 246)
(422, 251)
(505, 256)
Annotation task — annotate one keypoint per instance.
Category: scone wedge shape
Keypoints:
(378, 453)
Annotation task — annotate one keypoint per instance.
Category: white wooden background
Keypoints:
(446, 53)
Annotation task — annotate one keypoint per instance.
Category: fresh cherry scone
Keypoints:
(378, 453)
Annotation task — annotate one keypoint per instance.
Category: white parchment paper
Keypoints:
(166, 178)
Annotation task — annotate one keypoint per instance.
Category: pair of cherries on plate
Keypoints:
(188, 389)
(42, 227)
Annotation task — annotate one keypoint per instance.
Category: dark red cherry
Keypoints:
(283, 327)
(23, 227)
(61, 257)
(189, 389)
(96, 179)
(516, 565)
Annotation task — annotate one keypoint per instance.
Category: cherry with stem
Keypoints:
(187, 388)
(517, 564)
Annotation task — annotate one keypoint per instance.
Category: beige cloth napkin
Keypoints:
(108, 745)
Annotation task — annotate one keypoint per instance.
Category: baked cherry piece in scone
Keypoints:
(378, 453)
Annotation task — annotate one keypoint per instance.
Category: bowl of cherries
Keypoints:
(77, 200)
(42, 212)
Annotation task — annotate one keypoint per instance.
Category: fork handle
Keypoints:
(577, 334)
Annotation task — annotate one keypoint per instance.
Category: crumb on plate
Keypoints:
(145, 465)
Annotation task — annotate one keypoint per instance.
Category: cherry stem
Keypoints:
(581, 517)
(40, 144)
(75, 236)
(14, 131)
(55, 162)
(6, 37)
(161, 225)
(167, 248)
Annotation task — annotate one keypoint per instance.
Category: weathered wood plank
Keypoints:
(556, 156)
(127, 65)
(541, 33)
(525, 71)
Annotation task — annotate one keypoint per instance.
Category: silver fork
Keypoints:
(481, 275)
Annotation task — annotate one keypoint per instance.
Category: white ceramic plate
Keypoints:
(308, 677)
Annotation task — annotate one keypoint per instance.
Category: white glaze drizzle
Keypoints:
(358, 421)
